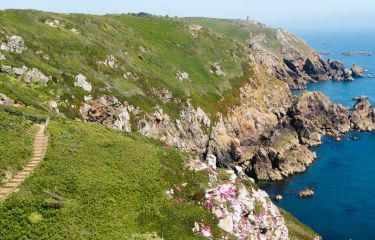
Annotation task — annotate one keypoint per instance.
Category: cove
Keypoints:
(344, 174)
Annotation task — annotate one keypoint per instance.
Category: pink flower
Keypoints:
(208, 204)
(179, 200)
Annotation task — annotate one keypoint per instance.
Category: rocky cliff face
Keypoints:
(298, 66)
(363, 115)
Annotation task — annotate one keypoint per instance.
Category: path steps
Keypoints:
(40, 146)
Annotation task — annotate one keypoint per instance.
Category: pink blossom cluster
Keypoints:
(235, 208)
(201, 229)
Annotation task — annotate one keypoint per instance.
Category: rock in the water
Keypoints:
(307, 192)
(81, 81)
(278, 198)
(363, 115)
(180, 75)
(357, 71)
(13, 44)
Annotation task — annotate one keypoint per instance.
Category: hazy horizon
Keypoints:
(289, 14)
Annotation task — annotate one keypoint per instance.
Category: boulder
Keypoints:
(54, 23)
(27, 75)
(2, 57)
(13, 44)
(53, 106)
(5, 100)
(215, 68)
(81, 81)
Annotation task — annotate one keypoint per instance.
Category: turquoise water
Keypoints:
(344, 175)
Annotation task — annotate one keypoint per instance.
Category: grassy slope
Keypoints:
(243, 30)
(171, 48)
(96, 183)
(15, 142)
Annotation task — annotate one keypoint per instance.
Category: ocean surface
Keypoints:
(344, 175)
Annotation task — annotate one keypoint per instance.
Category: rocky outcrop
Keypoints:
(194, 30)
(182, 76)
(2, 57)
(216, 69)
(186, 133)
(295, 63)
(363, 115)
(54, 23)
(13, 44)
(314, 115)
(108, 111)
(307, 192)
(357, 70)
(110, 61)
(27, 75)
(81, 81)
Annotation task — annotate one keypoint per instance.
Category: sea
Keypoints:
(343, 177)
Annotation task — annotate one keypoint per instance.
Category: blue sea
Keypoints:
(344, 174)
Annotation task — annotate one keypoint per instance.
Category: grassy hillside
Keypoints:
(96, 183)
(152, 49)
(16, 143)
(245, 30)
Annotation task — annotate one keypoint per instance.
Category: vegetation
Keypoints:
(297, 230)
(243, 30)
(15, 143)
(152, 49)
(97, 183)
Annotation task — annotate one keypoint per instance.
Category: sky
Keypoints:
(289, 14)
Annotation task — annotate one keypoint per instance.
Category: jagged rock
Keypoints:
(106, 110)
(13, 44)
(363, 115)
(357, 71)
(194, 30)
(215, 68)
(314, 115)
(307, 192)
(27, 75)
(81, 81)
(185, 133)
(164, 94)
(54, 23)
(182, 75)
(54, 106)
(110, 61)
(5, 100)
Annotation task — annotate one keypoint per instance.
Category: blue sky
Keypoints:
(290, 14)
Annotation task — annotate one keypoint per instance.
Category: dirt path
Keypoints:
(40, 147)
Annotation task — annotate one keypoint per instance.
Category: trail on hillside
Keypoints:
(40, 147)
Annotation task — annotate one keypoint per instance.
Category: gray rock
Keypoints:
(307, 192)
(13, 44)
(27, 75)
(81, 81)
(2, 57)
(363, 115)
(5, 100)
(180, 75)
(110, 61)
(215, 68)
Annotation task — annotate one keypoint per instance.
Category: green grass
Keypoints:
(16, 142)
(297, 230)
(243, 30)
(171, 48)
(97, 183)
